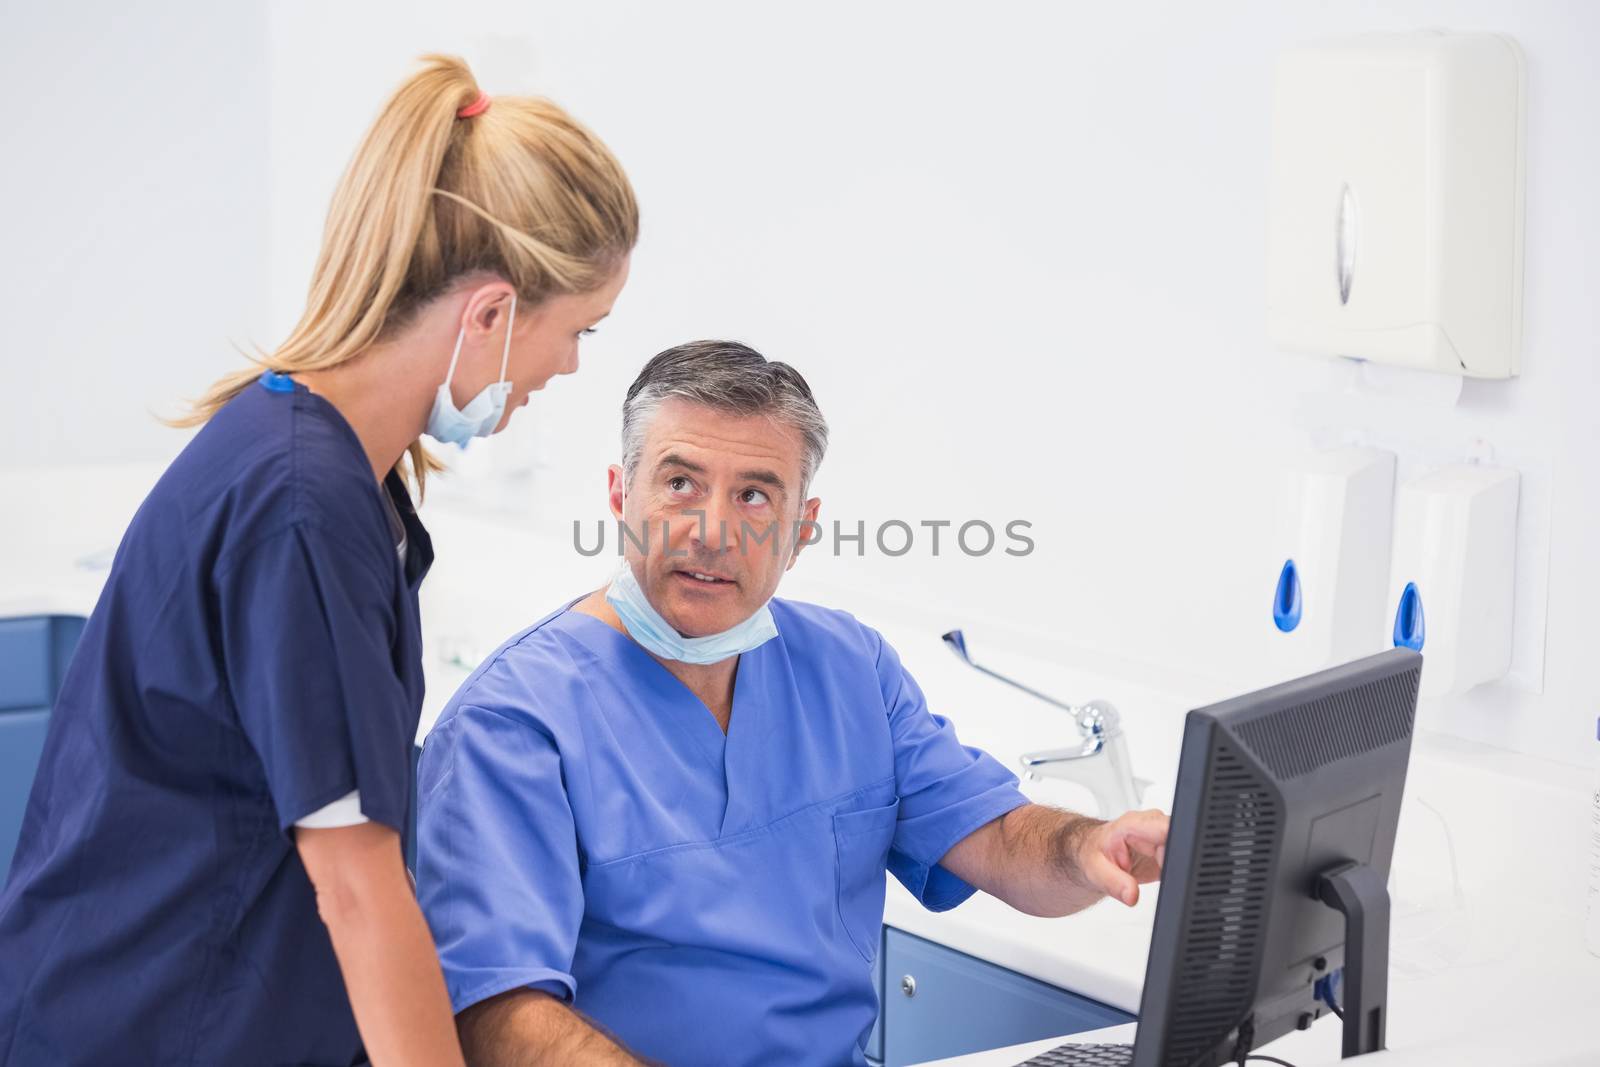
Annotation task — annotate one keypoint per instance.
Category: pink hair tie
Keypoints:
(477, 107)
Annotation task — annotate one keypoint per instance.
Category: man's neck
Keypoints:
(711, 682)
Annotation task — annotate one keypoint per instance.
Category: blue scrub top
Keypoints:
(255, 655)
(586, 829)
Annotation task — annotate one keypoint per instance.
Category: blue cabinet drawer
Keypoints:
(938, 1002)
(34, 653)
(33, 656)
(875, 1041)
(24, 663)
(22, 734)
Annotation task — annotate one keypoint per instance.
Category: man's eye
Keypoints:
(589, 331)
(678, 483)
(753, 497)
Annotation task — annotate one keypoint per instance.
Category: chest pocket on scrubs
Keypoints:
(861, 840)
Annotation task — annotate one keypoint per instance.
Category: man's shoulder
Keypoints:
(825, 630)
(526, 679)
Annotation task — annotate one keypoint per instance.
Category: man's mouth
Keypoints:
(710, 579)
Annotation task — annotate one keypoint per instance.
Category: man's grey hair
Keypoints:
(726, 376)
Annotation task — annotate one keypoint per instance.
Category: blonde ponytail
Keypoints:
(520, 190)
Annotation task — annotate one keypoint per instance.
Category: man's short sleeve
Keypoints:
(308, 632)
(946, 790)
(497, 857)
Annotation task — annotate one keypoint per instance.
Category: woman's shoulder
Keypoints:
(268, 461)
(299, 442)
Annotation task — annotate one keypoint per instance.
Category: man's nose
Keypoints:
(719, 531)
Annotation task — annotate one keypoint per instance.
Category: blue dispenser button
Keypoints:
(1286, 602)
(1409, 628)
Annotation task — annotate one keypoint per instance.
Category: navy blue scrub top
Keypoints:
(255, 655)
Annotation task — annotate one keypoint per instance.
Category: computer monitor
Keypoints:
(1277, 863)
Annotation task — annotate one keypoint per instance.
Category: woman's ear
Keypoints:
(487, 306)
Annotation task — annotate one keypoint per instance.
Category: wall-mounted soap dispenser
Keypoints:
(1332, 558)
(1453, 574)
(1396, 201)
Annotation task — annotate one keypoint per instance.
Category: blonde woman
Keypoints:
(210, 867)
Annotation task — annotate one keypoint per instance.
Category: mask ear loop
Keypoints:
(450, 374)
(505, 355)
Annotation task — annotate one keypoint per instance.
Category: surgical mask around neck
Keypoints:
(646, 626)
(453, 426)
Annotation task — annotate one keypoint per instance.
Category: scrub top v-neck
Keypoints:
(255, 655)
(720, 797)
(586, 830)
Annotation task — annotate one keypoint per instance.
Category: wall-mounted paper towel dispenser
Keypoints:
(1396, 201)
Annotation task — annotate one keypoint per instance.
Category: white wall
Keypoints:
(1018, 252)
(135, 229)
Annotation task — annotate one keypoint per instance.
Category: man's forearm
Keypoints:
(1048, 862)
(1028, 857)
(524, 1028)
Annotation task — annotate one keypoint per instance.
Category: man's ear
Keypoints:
(615, 486)
(807, 530)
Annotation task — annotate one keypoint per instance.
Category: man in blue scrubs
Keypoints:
(656, 823)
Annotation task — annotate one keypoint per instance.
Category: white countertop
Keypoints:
(1487, 957)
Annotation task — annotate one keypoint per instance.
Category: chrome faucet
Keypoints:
(1099, 761)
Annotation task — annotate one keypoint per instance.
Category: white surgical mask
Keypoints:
(646, 626)
(453, 426)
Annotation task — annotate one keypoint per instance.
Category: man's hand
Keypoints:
(1117, 857)
(1048, 862)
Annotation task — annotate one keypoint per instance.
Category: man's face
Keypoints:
(725, 489)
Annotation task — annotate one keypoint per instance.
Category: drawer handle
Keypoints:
(908, 985)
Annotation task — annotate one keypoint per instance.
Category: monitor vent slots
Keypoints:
(1233, 873)
(1341, 725)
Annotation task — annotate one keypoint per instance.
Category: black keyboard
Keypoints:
(1083, 1056)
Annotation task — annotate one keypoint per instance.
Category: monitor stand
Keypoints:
(1359, 893)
